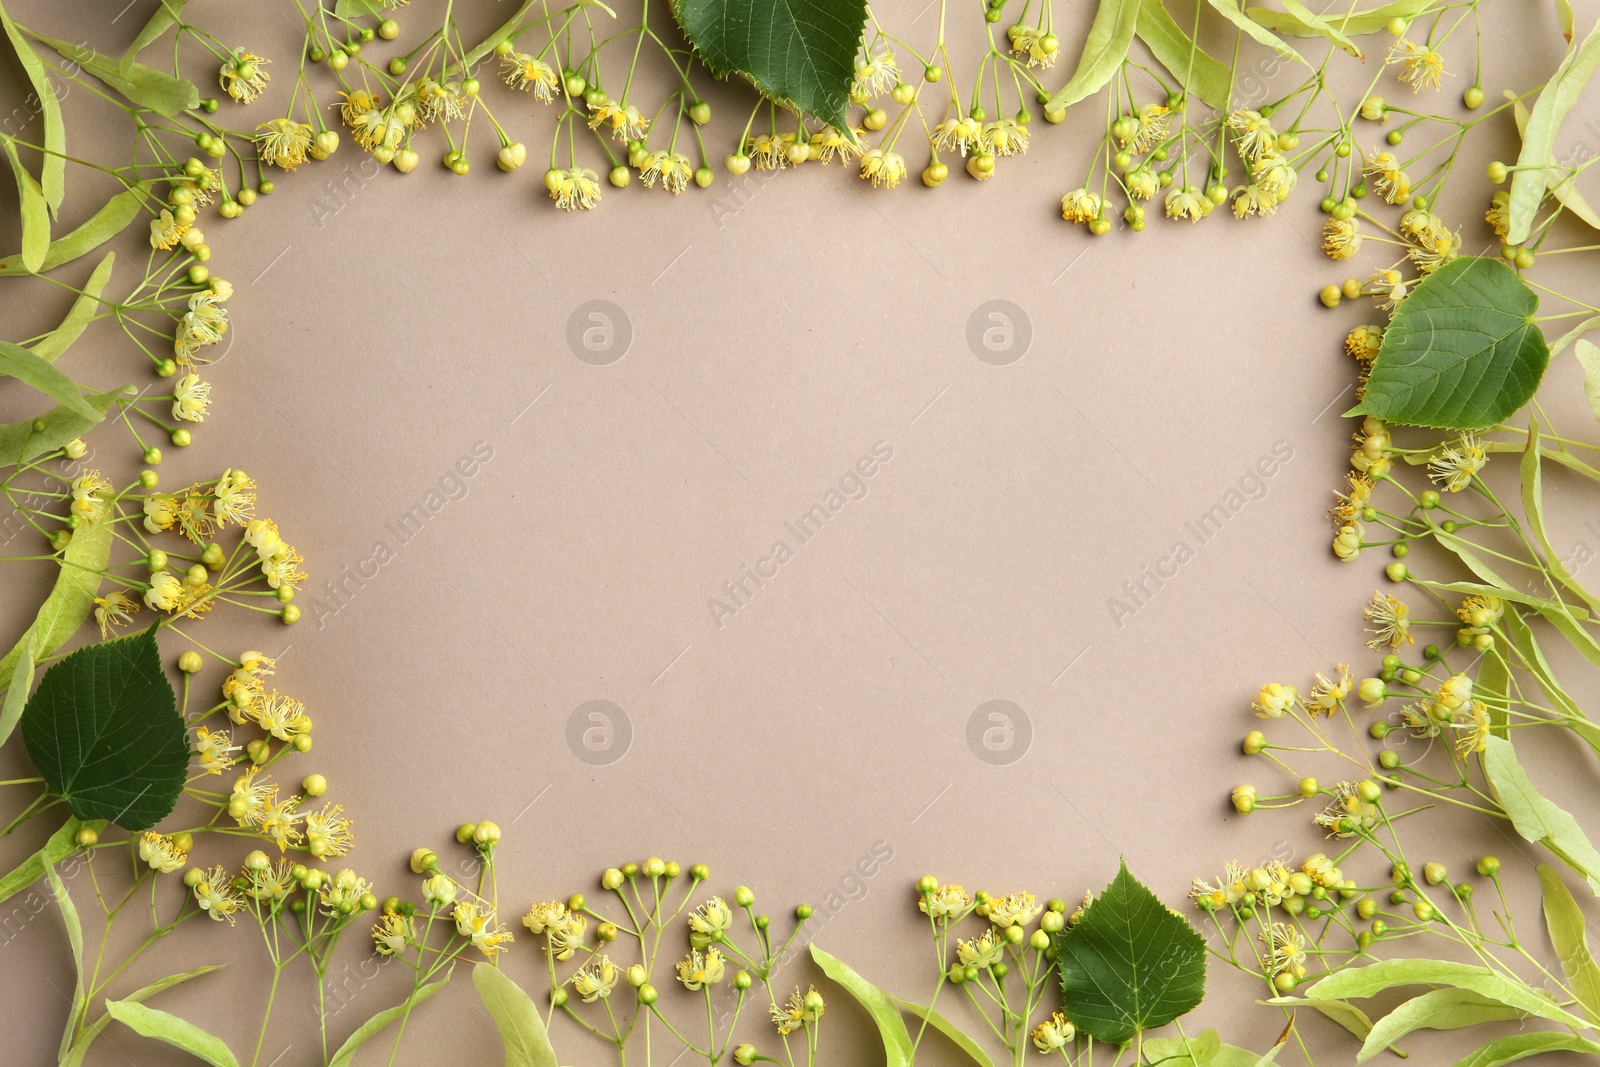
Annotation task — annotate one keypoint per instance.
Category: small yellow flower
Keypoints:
(802, 1010)
(530, 74)
(1151, 129)
(1188, 203)
(767, 151)
(283, 142)
(159, 851)
(1341, 238)
(1499, 214)
(985, 950)
(1054, 1034)
(278, 821)
(190, 398)
(478, 925)
(1348, 814)
(884, 169)
(1421, 67)
(1286, 950)
(1015, 909)
(393, 934)
(235, 498)
(328, 832)
(696, 971)
(1474, 736)
(1033, 46)
(947, 903)
(960, 133)
(1275, 700)
(1454, 693)
(341, 894)
(1390, 181)
(625, 122)
(1347, 542)
(1455, 466)
(1006, 137)
(215, 896)
(1141, 183)
(1328, 695)
(283, 717)
(1363, 342)
(113, 610)
(214, 749)
(831, 142)
(709, 922)
(1080, 205)
(875, 74)
(166, 592)
(1390, 621)
(596, 979)
(1252, 134)
(1227, 891)
(272, 883)
(1275, 176)
(577, 189)
(672, 169)
(241, 75)
(166, 231)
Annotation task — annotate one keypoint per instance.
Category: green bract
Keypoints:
(515, 1016)
(104, 731)
(799, 52)
(880, 1005)
(1129, 964)
(1462, 351)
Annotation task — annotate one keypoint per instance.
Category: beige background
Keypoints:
(779, 331)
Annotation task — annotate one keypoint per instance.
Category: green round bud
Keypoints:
(803, 912)
(1489, 866)
(1254, 742)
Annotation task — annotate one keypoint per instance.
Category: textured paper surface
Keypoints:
(1007, 425)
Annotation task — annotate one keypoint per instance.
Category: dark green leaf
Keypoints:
(1129, 964)
(880, 1005)
(1462, 351)
(104, 731)
(19, 363)
(522, 1031)
(799, 52)
(179, 1033)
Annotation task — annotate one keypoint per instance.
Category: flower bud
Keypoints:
(1434, 873)
(1489, 866)
(423, 860)
(1244, 799)
(637, 975)
(612, 879)
(1372, 691)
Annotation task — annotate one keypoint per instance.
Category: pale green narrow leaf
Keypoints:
(1564, 187)
(19, 683)
(1342, 1012)
(35, 211)
(53, 167)
(1504, 1050)
(1531, 178)
(350, 9)
(1327, 30)
(1200, 74)
(1527, 646)
(1439, 1009)
(521, 1027)
(1532, 477)
(801, 52)
(1588, 355)
(1375, 978)
(28, 439)
(82, 312)
(30, 870)
(1564, 920)
(179, 1033)
(17, 362)
(1200, 1049)
(1233, 11)
(145, 86)
(880, 1005)
(161, 20)
(950, 1030)
(69, 916)
(347, 1051)
(1536, 818)
(1110, 36)
(80, 1048)
(1355, 24)
(1462, 351)
(1129, 964)
(113, 217)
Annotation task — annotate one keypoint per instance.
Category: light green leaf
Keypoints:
(1200, 74)
(80, 1048)
(1355, 24)
(1129, 964)
(142, 85)
(1564, 187)
(113, 217)
(161, 20)
(1531, 178)
(1536, 818)
(949, 1029)
(35, 211)
(1323, 28)
(82, 312)
(1107, 46)
(1438, 1009)
(521, 1028)
(1375, 978)
(1573, 334)
(351, 9)
(19, 683)
(1197, 1051)
(179, 1033)
(880, 1005)
(1233, 11)
(17, 362)
(800, 52)
(24, 441)
(347, 1051)
(1564, 920)
(30, 870)
(1503, 1050)
(1527, 646)
(1532, 478)
(53, 166)
(1588, 355)
(69, 916)
(1342, 1012)
(104, 731)
(1462, 351)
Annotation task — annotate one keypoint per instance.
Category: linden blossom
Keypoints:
(851, 486)
(1252, 485)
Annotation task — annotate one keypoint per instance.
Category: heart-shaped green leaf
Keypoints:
(799, 52)
(1129, 964)
(104, 731)
(1462, 351)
